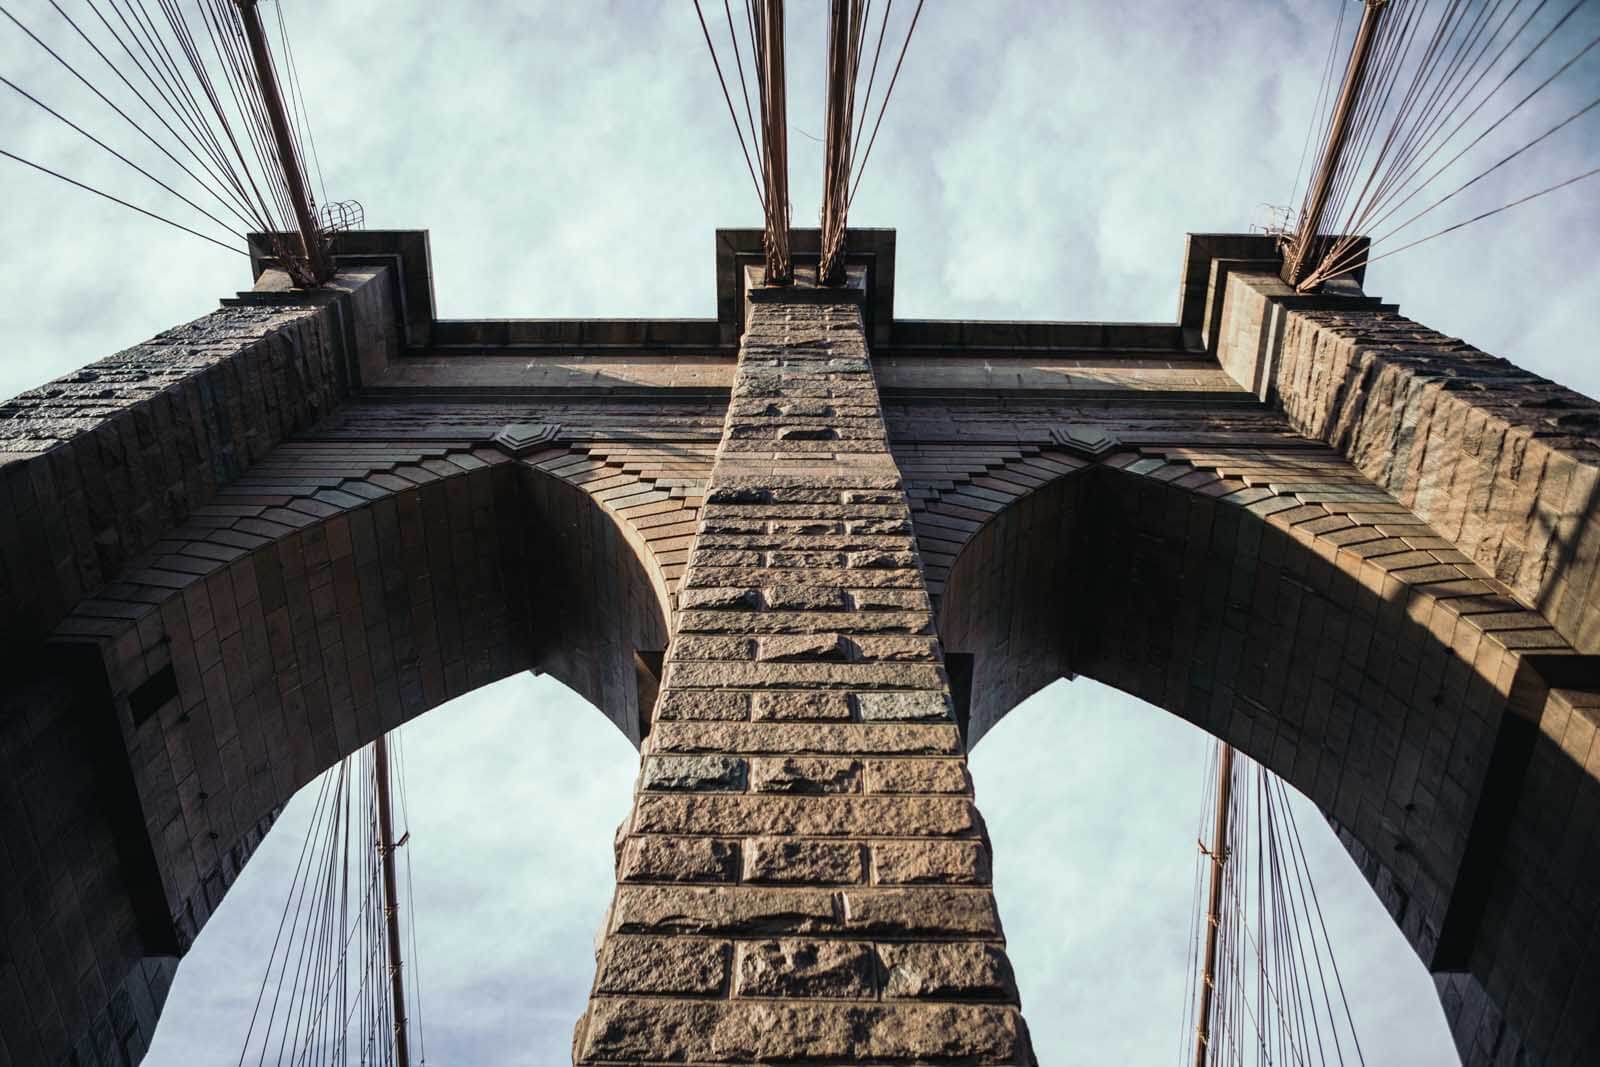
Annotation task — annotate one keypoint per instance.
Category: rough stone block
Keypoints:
(726, 910)
(968, 971)
(794, 774)
(905, 707)
(825, 646)
(699, 705)
(918, 776)
(679, 859)
(840, 970)
(665, 965)
(727, 598)
(664, 773)
(803, 675)
(801, 706)
(930, 862)
(823, 816)
(821, 739)
(921, 913)
(804, 597)
(801, 862)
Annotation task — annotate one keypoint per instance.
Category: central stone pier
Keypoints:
(804, 876)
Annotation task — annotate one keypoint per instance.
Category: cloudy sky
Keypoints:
(1039, 161)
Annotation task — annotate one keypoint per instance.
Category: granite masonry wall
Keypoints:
(803, 877)
(1368, 559)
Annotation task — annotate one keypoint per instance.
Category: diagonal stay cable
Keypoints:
(887, 94)
(119, 200)
(733, 114)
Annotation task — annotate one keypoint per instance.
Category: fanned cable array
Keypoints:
(844, 160)
(334, 990)
(1438, 98)
(762, 28)
(1263, 986)
(193, 89)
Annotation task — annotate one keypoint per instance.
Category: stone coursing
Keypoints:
(804, 876)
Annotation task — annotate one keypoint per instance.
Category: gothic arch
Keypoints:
(330, 594)
(1277, 599)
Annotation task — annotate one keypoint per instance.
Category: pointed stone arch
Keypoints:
(1276, 598)
(334, 591)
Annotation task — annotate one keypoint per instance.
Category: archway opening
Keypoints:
(516, 790)
(1092, 798)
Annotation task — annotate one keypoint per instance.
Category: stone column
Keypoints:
(804, 877)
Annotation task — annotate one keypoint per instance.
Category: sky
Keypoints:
(1039, 161)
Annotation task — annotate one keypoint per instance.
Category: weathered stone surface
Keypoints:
(800, 706)
(820, 739)
(905, 649)
(729, 598)
(802, 862)
(701, 646)
(876, 600)
(921, 913)
(705, 575)
(801, 647)
(930, 862)
(664, 965)
(878, 526)
(679, 859)
(931, 706)
(843, 970)
(804, 676)
(639, 1030)
(822, 816)
(968, 970)
(805, 622)
(794, 774)
(662, 773)
(918, 776)
(728, 910)
(693, 705)
(804, 597)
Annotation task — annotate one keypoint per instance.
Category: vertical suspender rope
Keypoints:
(391, 908)
(1219, 858)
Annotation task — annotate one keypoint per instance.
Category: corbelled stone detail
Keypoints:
(805, 723)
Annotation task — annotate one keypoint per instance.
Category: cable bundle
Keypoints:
(333, 970)
(763, 22)
(1263, 986)
(1426, 85)
(841, 175)
(197, 82)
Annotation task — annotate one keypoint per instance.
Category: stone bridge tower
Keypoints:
(804, 555)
